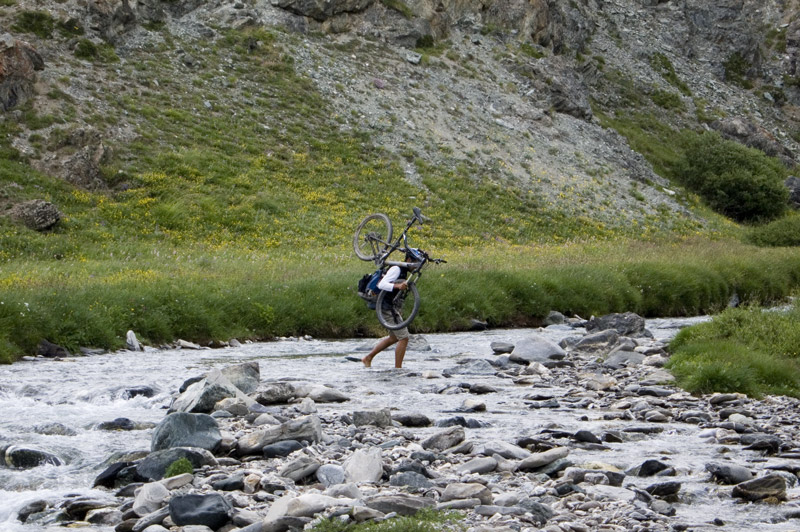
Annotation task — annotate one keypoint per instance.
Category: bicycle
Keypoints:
(372, 241)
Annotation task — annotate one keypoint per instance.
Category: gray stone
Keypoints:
(772, 486)
(400, 504)
(202, 396)
(326, 394)
(621, 359)
(412, 420)
(378, 418)
(281, 448)
(598, 341)
(245, 376)
(300, 468)
(182, 429)
(478, 465)
(542, 459)
(331, 474)
(155, 464)
(37, 214)
(445, 439)
(305, 428)
(26, 458)
(501, 348)
(276, 393)
(364, 466)
(150, 498)
(459, 490)
(410, 479)
(626, 324)
(537, 349)
(211, 510)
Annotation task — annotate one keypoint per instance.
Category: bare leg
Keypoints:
(400, 352)
(380, 346)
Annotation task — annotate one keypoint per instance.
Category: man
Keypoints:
(395, 279)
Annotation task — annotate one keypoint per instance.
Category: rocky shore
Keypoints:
(584, 434)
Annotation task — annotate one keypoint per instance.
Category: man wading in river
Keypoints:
(394, 280)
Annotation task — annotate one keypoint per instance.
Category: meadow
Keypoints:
(230, 215)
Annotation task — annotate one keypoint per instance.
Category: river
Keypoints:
(82, 392)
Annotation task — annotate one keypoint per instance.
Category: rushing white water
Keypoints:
(82, 392)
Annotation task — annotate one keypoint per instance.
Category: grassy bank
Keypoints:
(201, 296)
(749, 350)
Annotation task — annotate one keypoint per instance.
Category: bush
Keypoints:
(668, 100)
(783, 232)
(740, 182)
(40, 23)
(179, 467)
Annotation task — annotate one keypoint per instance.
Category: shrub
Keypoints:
(736, 67)
(663, 66)
(667, 100)
(783, 232)
(86, 49)
(739, 182)
(179, 467)
(40, 23)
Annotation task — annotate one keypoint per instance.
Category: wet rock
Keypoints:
(27, 458)
(31, 508)
(461, 421)
(325, 394)
(664, 489)
(211, 510)
(771, 486)
(761, 442)
(729, 473)
(132, 343)
(649, 468)
(54, 429)
(181, 429)
(121, 423)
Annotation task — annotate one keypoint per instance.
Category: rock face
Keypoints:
(19, 62)
(38, 214)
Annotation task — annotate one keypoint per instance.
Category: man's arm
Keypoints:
(389, 281)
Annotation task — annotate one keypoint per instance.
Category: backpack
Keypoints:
(368, 288)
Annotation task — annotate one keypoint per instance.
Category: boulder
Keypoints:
(626, 324)
(378, 418)
(459, 490)
(202, 396)
(277, 393)
(402, 504)
(772, 486)
(304, 428)
(26, 458)
(37, 214)
(150, 498)
(729, 473)
(211, 510)
(181, 429)
(537, 349)
(19, 62)
(331, 475)
(321, 10)
(50, 350)
(364, 466)
(445, 439)
(154, 465)
(245, 376)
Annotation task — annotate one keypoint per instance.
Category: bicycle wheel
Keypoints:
(373, 234)
(403, 308)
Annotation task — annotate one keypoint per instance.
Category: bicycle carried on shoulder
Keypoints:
(372, 241)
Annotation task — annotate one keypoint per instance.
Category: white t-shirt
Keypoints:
(388, 280)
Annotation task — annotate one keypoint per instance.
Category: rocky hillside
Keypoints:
(527, 93)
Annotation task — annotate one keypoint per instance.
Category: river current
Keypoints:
(83, 392)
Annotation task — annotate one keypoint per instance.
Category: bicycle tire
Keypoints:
(404, 315)
(378, 224)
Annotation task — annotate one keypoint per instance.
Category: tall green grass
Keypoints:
(202, 296)
(748, 350)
